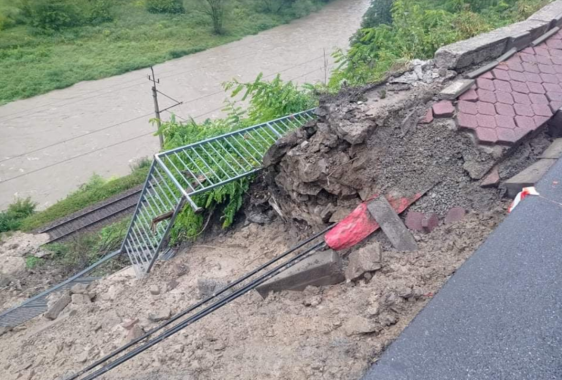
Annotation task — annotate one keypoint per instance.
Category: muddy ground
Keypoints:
(365, 142)
(333, 332)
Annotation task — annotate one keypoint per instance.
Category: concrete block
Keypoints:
(364, 260)
(58, 306)
(528, 177)
(487, 46)
(320, 269)
(519, 41)
(392, 225)
(549, 14)
(484, 69)
(554, 151)
(456, 89)
(545, 36)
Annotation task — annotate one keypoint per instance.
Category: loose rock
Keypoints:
(366, 259)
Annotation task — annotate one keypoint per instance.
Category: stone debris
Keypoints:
(456, 214)
(58, 306)
(154, 290)
(492, 179)
(319, 269)
(392, 225)
(210, 286)
(161, 314)
(79, 288)
(134, 333)
(81, 299)
(363, 260)
(358, 325)
(456, 89)
(129, 323)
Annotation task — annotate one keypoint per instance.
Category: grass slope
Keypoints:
(32, 63)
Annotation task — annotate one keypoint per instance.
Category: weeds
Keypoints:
(95, 190)
(416, 29)
(12, 218)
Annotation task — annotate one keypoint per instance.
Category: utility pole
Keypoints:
(156, 107)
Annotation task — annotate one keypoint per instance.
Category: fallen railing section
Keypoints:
(178, 175)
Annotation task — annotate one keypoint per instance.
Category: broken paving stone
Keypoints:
(455, 214)
(428, 117)
(443, 109)
(366, 259)
(154, 290)
(79, 288)
(429, 222)
(58, 306)
(492, 179)
(160, 315)
(414, 221)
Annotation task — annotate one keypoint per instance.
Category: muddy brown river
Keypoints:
(50, 144)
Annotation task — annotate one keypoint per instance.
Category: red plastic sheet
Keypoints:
(360, 224)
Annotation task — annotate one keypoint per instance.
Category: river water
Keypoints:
(52, 143)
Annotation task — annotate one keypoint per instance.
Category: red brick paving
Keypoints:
(517, 97)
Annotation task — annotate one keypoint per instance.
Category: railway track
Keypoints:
(94, 216)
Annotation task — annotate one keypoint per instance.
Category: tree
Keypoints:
(216, 9)
(380, 12)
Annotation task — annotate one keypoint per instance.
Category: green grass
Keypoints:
(92, 192)
(32, 63)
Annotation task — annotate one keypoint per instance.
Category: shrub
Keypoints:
(379, 12)
(56, 15)
(11, 219)
(165, 6)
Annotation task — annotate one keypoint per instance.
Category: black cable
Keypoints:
(301, 256)
(200, 303)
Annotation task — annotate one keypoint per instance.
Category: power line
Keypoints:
(75, 157)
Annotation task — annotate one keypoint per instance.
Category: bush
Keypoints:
(56, 15)
(11, 219)
(380, 12)
(165, 6)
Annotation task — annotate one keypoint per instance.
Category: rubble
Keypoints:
(319, 269)
(366, 259)
(58, 306)
(456, 214)
(161, 314)
(391, 225)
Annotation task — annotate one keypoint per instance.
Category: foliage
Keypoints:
(216, 10)
(55, 15)
(85, 249)
(32, 262)
(165, 6)
(379, 12)
(32, 63)
(267, 101)
(95, 190)
(11, 219)
(417, 30)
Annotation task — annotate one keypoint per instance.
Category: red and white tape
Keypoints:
(522, 194)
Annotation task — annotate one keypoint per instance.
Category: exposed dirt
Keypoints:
(365, 142)
(333, 333)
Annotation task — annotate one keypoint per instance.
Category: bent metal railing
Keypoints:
(178, 175)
